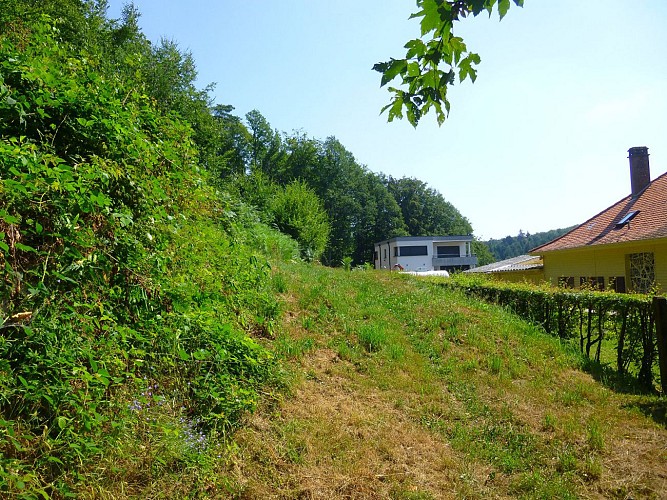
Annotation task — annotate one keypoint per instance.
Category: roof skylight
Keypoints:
(628, 217)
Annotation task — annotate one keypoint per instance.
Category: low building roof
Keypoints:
(630, 219)
(520, 263)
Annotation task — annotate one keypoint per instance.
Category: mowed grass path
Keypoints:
(401, 390)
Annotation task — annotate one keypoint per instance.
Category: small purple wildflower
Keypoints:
(196, 440)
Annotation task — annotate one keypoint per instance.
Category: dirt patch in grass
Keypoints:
(636, 463)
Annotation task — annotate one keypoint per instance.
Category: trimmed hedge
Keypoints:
(586, 317)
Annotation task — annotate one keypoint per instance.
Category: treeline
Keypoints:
(512, 246)
(362, 207)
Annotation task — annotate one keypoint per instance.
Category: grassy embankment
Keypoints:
(402, 391)
(141, 326)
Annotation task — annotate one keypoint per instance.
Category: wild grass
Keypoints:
(493, 405)
(375, 385)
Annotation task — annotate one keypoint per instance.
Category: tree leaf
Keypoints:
(396, 110)
(394, 67)
(433, 15)
(503, 7)
(416, 48)
(413, 69)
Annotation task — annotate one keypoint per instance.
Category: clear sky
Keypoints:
(538, 142)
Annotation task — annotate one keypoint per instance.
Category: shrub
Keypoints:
(298, 212)
(122, 270)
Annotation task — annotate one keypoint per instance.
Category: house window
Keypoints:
(384, 253)
(566, 282)
(642, 271)
(592, 282)
(375, 255)
(395, 251)
(617, 283)
(600, 282)
(448, 251)
(413, 251)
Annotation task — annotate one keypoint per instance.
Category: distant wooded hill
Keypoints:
(511, 246)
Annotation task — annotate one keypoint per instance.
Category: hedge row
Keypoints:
(586, 317)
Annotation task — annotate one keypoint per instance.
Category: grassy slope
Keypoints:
(401, 391)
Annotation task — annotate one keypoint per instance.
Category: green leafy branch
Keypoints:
(433, 61)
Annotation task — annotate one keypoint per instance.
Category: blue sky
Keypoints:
(538, 142)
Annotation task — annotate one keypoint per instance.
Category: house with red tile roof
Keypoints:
(623, 248)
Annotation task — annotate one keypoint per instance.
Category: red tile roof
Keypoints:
(603, 229)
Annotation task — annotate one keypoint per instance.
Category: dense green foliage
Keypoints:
(425, 211)
(298, 212)
(127, 282)
(359, 209)
(513, 246)
(135, 241)
(481, 250)
(598, 322)
(433, 61)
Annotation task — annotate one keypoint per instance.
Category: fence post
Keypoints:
(660, 312)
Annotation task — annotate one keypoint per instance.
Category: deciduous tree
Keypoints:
(425, 211)
(435, 60)
(298, 212)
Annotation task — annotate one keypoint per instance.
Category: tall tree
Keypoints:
(425, 211)
(266, 150)
(302, 162)
(338, 179)
(381, 218)
(231, 143)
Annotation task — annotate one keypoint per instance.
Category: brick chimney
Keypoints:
(640, 173)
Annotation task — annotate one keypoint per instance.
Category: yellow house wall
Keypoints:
(606, 261)
(660, 253)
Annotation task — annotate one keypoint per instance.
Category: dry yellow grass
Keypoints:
(348, 442)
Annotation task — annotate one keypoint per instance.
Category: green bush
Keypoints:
(126, 280)
(298, 212)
